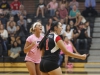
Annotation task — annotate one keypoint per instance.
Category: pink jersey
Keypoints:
(34, 54)
(69, 47)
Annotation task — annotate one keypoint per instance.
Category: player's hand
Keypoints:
(84, 56)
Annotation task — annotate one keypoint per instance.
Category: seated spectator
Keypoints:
(1, 22)
(52, 7)
(72, 3)
(76, 32)
(63, 13)
(79, 19)
(20, 36)
(87, 27)
(70, 48)
(5, 6)
(4, 36)
(22, 11)
(11, 29)
(82, 39)
(90, 3)
(48, 25)
(72, 14)
(90, 8)
(3, 19)
(22, 23)
(69, 33)
(40, 7)
(63, 2)
(71, 23)
(56, 16)
(11, 19)
(15, 50)
(15, 7)
(1, 46)
(63, 26)
(1, 11)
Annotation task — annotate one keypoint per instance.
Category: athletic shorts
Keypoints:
(47, 65)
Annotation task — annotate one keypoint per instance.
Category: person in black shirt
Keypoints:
(82, 38)
(5, 6)
(40, 7)
(50, 46)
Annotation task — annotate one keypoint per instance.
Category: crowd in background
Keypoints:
(13, 23)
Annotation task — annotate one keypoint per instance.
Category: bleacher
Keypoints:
(30, 6)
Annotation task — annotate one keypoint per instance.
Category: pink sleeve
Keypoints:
(29, 39)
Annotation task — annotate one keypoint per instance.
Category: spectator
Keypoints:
(22, 23)
(87, 27)
(63, 13)
(82, 39)
(48, 25)
(1, 22)
(52, 7)
(70, 48)
(15, 5)
(56, 16)
(71, 23)
(90, 3)
(72, 3)
(63, 2)
(11, 29)
(15, 50)
(90, 8)
(5, 6)
(11, 19)
(63, 26)
(3, 19)
(69, 33)
(4, 36)
(20, 36)
(79, 19)
(72, 14)
(1, 11)
(22, 11)
(1, 46)
(40, 7)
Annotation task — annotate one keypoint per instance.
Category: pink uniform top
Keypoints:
(53, 6)
(34, 54)
(69, 47)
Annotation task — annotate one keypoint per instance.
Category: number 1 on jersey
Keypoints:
(47, 48)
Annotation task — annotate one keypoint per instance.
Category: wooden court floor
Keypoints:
(20, 69)
(73, 71)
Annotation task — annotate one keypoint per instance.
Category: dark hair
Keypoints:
(41, 44)
(67, 26)
(48, 20)
(63, 1)
(14, 43)
(1, 21)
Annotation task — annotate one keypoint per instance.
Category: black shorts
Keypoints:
(47, 65)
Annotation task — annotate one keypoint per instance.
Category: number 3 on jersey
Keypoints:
(47, 48)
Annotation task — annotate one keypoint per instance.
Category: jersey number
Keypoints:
(47, 48)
